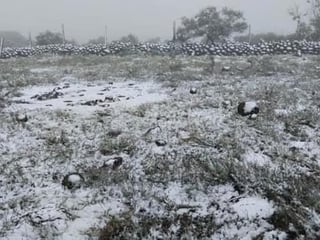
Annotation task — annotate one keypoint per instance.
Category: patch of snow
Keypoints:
(75, 95)
(310, 149)
(275, 235)
(257, 158)
(158, 150)
(281, 112)
(253, 207)
(74, 178)
(22, 231)
(41, 70)
(239, 217)
(94, 215)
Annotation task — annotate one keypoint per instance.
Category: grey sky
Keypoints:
(85, 19)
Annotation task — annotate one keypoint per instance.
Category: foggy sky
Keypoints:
(85, 19)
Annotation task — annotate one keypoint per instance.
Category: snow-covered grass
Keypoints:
(147, 159)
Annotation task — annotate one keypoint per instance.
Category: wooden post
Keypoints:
(30, 40)
(174, 32)
(105, 35)
(63, 34)
(1, 46)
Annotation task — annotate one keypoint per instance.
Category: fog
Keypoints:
(85, 19)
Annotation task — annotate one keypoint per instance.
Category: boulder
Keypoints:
(160, 143)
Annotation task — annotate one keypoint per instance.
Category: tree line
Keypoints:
(213, 25)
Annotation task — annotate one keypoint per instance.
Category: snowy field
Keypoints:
(153, 147)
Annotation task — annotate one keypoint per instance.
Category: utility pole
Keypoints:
(30, 40)
(63, 34)
(174, 38)
(1, 46)
(105, 35)
(249, 34)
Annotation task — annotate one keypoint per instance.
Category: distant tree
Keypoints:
(303, 30)
(130, 38)
(48, 37)
(308, 23)
(14, 39)
(212, 25)
(268, 37)
(315, 18)
(99, 40)
(72, 41)
(154, 40)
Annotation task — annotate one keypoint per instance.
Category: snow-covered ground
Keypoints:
(86, 98)
(148, 155)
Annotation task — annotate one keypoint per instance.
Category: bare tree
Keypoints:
(315, 18)
(303, 30)
(308, 23)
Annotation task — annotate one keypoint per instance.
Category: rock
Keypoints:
(66, 85)
(21, 117)
(105, 89)
(193, 90)
(49, 95)
(160, 143)
(253, 116)
(91, 102)
(298, 53)
(73, 180)
(113, 163)
(109, 99)
(226, 104)
(117, 162)
(248, 108)
(114, 133)
(226, 69)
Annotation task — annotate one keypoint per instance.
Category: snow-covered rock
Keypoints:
(248, 108)
(72, 180)
(21, 117)
(193, 90)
